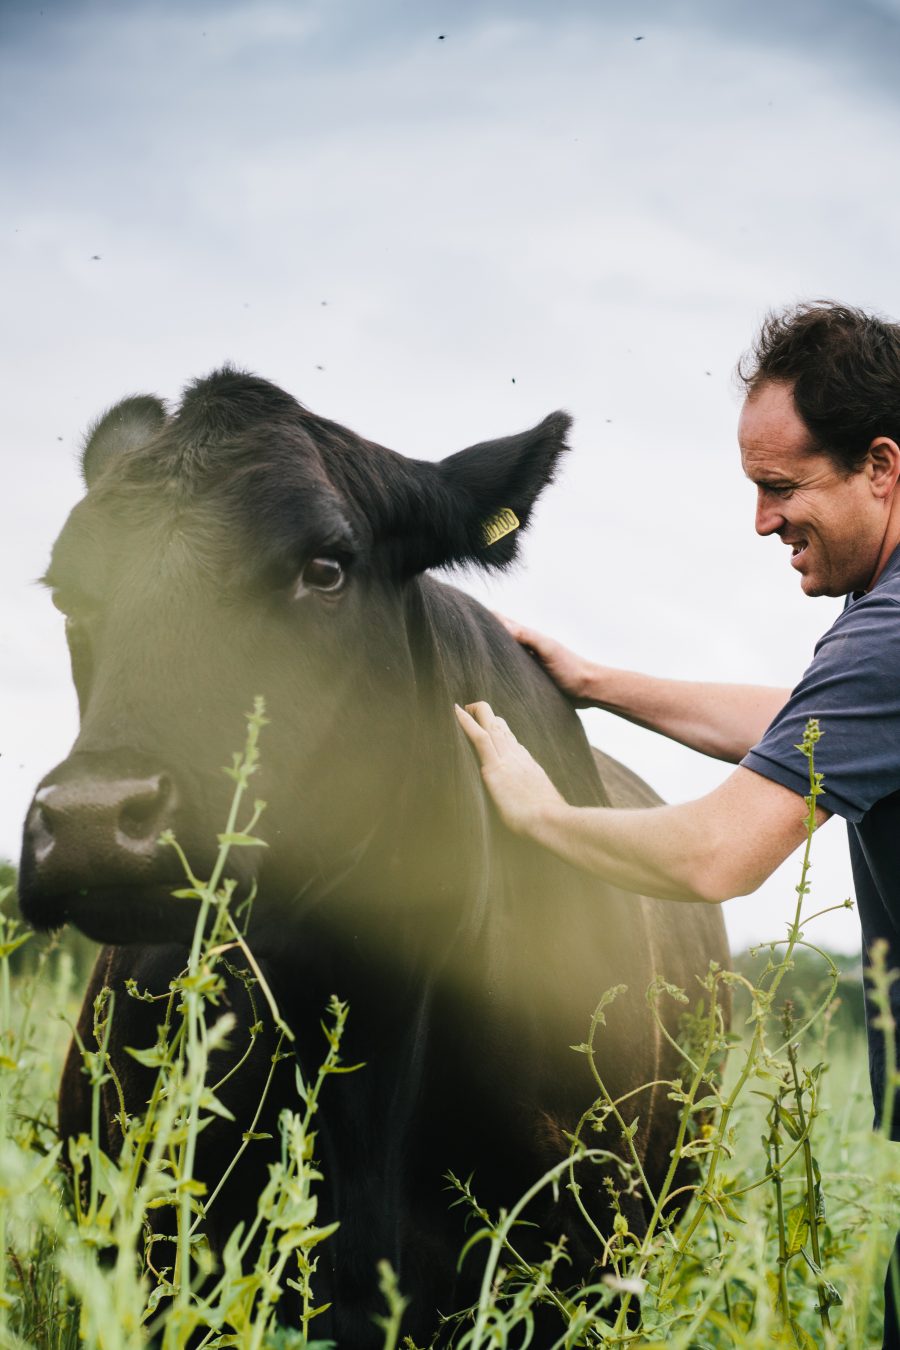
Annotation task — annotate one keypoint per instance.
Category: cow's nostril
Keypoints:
(142, 815)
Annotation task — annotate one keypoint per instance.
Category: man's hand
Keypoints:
(522, 792)
(565, 668)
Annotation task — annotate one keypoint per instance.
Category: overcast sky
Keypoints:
(436, 223)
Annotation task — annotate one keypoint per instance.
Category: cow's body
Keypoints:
(471, 960)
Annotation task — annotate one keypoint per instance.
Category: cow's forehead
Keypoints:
(236, 533)
(104, 540)
(82, 555)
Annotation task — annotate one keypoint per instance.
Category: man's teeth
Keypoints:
(797, 548)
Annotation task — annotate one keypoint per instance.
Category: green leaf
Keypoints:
(790, 1123)
(728, 1207)
(191, 1186)
(299, 1236)
(204, 982)
(240, 840)
(697, 1147)
(796, 1228)
(154, 1058)
(802, 1338)
(7, 948)
(210, 1102)
(708, 1103)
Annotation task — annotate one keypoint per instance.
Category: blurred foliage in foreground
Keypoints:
(780, 1238)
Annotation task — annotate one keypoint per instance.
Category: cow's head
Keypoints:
(236, 547)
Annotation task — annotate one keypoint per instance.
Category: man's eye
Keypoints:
(781, 490)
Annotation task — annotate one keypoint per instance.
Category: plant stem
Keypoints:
(811, 1189)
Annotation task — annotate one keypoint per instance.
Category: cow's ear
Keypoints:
(476, 503)
(126, 427)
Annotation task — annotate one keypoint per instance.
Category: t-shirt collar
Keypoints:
(891, 568)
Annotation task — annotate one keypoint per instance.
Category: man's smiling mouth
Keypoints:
(798, 547)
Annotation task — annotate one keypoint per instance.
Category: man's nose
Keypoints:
(768, 517)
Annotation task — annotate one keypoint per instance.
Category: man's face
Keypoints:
(830, 520)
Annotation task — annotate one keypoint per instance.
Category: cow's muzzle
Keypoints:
(93, 833)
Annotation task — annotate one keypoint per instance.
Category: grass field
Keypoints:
(782, 1242)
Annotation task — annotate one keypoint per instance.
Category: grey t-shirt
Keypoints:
(853, 687)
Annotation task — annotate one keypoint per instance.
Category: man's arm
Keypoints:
(721, 720)
(719, 846)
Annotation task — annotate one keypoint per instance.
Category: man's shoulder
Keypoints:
(869, 614)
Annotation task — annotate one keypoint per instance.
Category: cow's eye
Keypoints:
(323, 574)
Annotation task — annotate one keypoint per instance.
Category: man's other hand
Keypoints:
(568, 670)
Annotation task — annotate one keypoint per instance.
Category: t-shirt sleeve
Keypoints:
(853, 687)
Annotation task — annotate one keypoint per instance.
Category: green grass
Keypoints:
(782, 1235)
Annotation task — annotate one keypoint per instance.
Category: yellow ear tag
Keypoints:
(499, 526)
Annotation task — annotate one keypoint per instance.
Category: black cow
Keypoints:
(239, 546)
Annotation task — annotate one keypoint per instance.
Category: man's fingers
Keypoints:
(534, 642)
(484, 728)
(515, 629)
(482, 713)
(496, 727)
(476, 733)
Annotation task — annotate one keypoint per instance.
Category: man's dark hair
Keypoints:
(844, 365)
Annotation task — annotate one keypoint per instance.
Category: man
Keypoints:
(819, 435)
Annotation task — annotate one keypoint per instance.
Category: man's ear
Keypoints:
(472, 507)
(883, 465)
(126, 427)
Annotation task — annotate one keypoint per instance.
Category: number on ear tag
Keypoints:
(497, 527)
